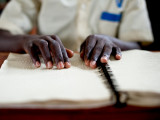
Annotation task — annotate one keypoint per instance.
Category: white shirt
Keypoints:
(74, 20)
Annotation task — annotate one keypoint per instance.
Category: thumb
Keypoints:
(70, 53)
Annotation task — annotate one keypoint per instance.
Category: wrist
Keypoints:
(14, 43)
(124, 45)
(19, 43)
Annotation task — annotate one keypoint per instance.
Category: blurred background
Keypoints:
(153, 10)
(3, 4)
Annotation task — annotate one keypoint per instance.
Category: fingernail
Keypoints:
(49, 65)
(104, 59)
(70, 54)
(67, 64)
(118, 57)
(87, 62)
(82, 51)
(93, 64)
(71, 51)
(82, 54)
(37, 64)
(60, 65)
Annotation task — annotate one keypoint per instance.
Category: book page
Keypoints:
(138, 73)
(21, 84)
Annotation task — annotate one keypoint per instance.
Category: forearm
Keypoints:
(10, 43)
(126, 45)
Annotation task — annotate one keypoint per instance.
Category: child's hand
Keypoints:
(98, 47)
(49, 47)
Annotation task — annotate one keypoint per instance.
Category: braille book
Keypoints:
(134, 80)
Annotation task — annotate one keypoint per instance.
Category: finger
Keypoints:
(82, 54)
(107, 50)
(82, 49)
(70, 53)
(55, 51)
(96, 53)
(67, 64)
(64, 53)
(44, 49)
(82, 45)
(34, 56)
(118, 53)
(57, 54)
(90, 43)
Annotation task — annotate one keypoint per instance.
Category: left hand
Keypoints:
(99, 47)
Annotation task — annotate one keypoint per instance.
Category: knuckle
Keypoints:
(107, 46)
(46, 37)
(107, 50)
(91, 36)
(118, 49)
(43, 42)
(55, 37)
(64, 52)
(54, 43)
(107, 54)
(55, 46)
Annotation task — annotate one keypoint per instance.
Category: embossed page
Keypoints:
(21, 84)
(138, 73)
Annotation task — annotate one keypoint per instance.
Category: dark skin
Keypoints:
(49, 46)
(94, 48)
(100, 47)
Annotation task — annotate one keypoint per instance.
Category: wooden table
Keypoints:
(107, 113)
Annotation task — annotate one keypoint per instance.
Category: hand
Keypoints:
(99, 47)
(49, 47)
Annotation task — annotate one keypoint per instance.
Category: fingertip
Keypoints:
(49, 65)
(87, 62)
(67, 64)
(37, 64)
(60, 65)
(104, 59)
(118, 56)
(70, 53)
(93, 64)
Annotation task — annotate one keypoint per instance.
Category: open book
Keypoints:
(137, 75)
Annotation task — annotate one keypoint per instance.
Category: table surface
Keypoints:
(108, 112)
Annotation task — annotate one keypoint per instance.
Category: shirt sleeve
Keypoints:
(135, 24)
(19, 16)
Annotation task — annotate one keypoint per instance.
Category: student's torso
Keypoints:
(74, 20)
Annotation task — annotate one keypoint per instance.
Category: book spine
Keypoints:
(111, 81)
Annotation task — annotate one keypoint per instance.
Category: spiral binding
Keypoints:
(110, 81)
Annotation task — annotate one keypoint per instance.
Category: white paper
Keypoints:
(21, 82)
(137, 74)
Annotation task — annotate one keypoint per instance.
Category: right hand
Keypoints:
(51, 49)
(99, 47)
